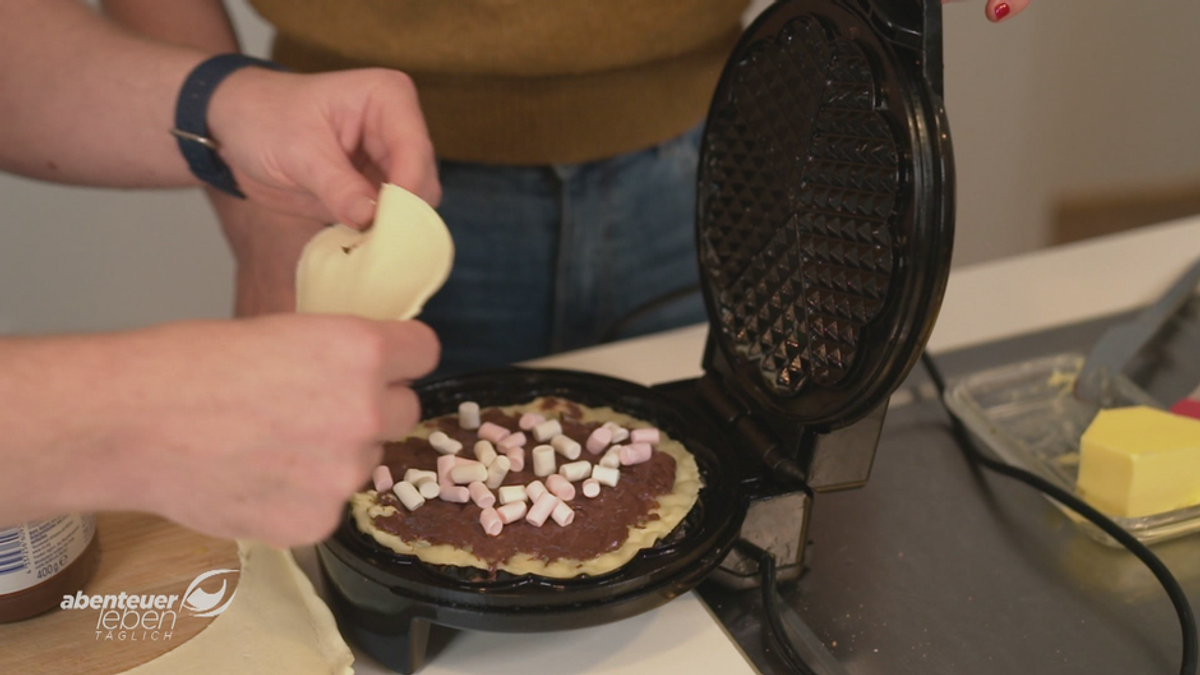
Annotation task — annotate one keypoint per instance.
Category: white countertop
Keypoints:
(984, 302)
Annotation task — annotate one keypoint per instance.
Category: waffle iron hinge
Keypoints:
(778, 512)
(778, 457)
(915, 25)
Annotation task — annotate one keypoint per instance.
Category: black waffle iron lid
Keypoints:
(825, 207)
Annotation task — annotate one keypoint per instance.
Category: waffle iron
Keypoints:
(824, 229)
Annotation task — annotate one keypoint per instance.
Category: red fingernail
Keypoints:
(1001, 10)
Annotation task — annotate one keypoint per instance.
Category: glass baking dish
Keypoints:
(1028, 416)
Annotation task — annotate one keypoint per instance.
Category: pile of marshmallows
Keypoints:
(499, 451)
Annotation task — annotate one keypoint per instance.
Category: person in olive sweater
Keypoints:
(567, 136)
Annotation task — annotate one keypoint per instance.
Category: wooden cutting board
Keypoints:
(139, 554)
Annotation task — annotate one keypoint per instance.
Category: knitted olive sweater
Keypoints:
(527, 81)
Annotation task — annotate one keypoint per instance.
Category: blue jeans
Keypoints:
(552, 258)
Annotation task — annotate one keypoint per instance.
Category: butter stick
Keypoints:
(1139, 461)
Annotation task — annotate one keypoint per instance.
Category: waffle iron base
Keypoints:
(385, 602)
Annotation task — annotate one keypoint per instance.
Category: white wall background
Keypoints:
(1072, 96)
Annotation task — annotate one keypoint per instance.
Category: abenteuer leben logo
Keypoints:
(130, 617)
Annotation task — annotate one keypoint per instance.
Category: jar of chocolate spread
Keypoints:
(43, 560)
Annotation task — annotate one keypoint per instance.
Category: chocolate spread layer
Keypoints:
(601, 523)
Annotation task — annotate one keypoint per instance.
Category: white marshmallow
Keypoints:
(547, 430)
(543, 460)
(598, 440)
(512, 493)
(530, 420)
(468, 415)
(619, 433)
(491, 521)
(408, 495)
(467, 473)
(485, 452)
(444, 444)
(635, 453)
(492, 432)
(560, 487)
(512, 512)
(612, 458)
(562, 514)
(649, 435)
(510, 441)
(566, 446)
(516, 458)
(430, 489)
(482, 496)
(534, 490)
(606, 475)
(498, 471)
(382, 477)
(541, 509)
(591, 488)
(418, 477)
(576, 470)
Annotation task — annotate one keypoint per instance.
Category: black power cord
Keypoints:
(766, 567)
(1187, 621)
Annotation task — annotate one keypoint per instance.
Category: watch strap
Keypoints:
(191, 118)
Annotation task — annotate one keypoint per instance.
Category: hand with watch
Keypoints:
(84, 101)
(239, 122)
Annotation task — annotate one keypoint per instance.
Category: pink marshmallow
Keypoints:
(635, 453)
(512, 512)
(511, 441)
(562, 514)
(481, 495)
(457, 494)
(530, 420)
(599, 440)
(591, 488)
(649, 435)
(492, 432)
(446, 464)
(516, 458)
(491, 521)
(542, 509)
(560, 487)
(535, 490)
(382, 476)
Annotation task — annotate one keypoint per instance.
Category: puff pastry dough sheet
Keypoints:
(275, 624)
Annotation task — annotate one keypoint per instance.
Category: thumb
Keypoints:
(346, 193)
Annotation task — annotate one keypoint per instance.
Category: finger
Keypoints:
(348, 195)
(397, 139)
(401, 412)
(416, 171)
(1000, 10)
(372, 455)
(410, 351)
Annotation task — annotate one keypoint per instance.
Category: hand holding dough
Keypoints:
(384, 273)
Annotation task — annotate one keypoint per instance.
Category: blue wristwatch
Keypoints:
(191, 118)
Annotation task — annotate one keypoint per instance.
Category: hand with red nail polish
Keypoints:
(999, 10)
